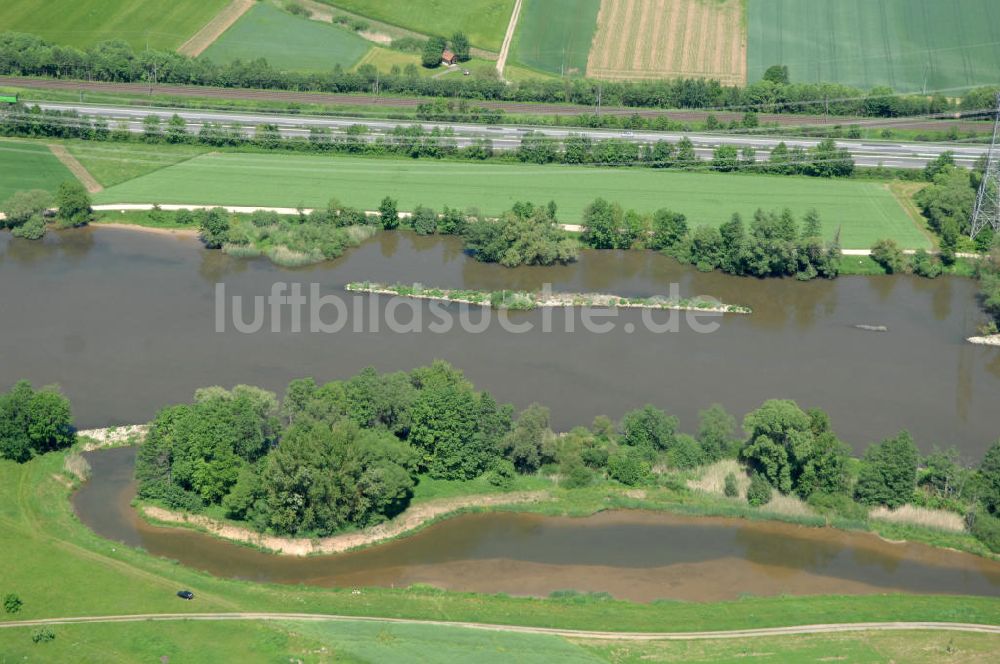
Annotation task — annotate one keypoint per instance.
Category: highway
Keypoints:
(508, 137)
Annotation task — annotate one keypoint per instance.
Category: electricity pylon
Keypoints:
(987, 211)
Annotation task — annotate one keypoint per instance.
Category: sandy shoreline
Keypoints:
(991, 340)
(179, 232)
(412, 518)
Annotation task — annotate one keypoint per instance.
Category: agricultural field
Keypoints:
(163, 25)
(483, 21)
(29, 166)
(555, 35)
(114, 163)
(639, 39)
(287, 41)
(863, 211)
(909, 45)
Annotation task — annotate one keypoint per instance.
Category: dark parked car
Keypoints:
(185, 594)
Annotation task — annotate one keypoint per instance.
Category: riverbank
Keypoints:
(525, 300)
(410, 520)
(990, 340)
(96, 577)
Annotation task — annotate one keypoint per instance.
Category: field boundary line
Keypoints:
(521, 629)
(76, 168)
(508, 37)
(212, 30)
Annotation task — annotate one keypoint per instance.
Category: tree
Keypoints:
(759, 491)
(73, 202)
(152, 132)
(214, 228)
(730, 488)
(525, 235)
(388, 213)
(628, 466)
(525, 445)
(34, 422)
(669, 229)
(989, 471)
(460, 46)
(887, 253)
(716, 431)
(777, 74)
(888, 472)
(949, 241)
(725, 158)
(783, 446)
(444, 430)
(23, 205)
(950, 196)
(603, 223)
(424, 220)
(648, 429)
(430, 56)
(12, 603)
(176, 130)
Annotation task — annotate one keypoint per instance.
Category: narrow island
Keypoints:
(526, 300)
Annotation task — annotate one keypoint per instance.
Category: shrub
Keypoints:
(925, 265)
(502, 475)
(43, 635)
(685, 452)
(12, 603)
(73, 202)
(628, 466)
(759, 492)
(424, 220)
(888, 254)
(576, 475)
(33, 229)
(24, 205)
(297, 9)
(731, 489)
(986, 529)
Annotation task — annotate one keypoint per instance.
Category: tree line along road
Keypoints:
(526, 108)
(507, 137)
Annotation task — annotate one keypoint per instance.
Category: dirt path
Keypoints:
(519, 629)
(214, 28)
(508, 38)
(411, 519)
(76, 168)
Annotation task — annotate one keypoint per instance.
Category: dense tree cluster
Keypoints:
(23, 54)
(525, 235)
(34, 422)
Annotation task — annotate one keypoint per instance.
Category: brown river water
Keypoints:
(124, 321)
(640, 556)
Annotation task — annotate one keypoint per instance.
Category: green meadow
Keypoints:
(555, 35)
(160, 24)
(287, 42)
(862, 211)
(29, 166)
(483, 21)
(908, 45)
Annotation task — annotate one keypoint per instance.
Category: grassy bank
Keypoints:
(58, 566)
(862, 211)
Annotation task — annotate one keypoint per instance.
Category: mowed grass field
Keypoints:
(483, 21)
(670, 39)
(555, 35)
(29, 166)
(864, 211)
(82, 23)
(287, 41)
(909, 45)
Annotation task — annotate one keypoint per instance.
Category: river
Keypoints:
(640, 556)
(124, 321)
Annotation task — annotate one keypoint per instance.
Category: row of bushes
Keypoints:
(823, 160)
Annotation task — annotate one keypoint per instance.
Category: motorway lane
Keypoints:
(507, 137)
